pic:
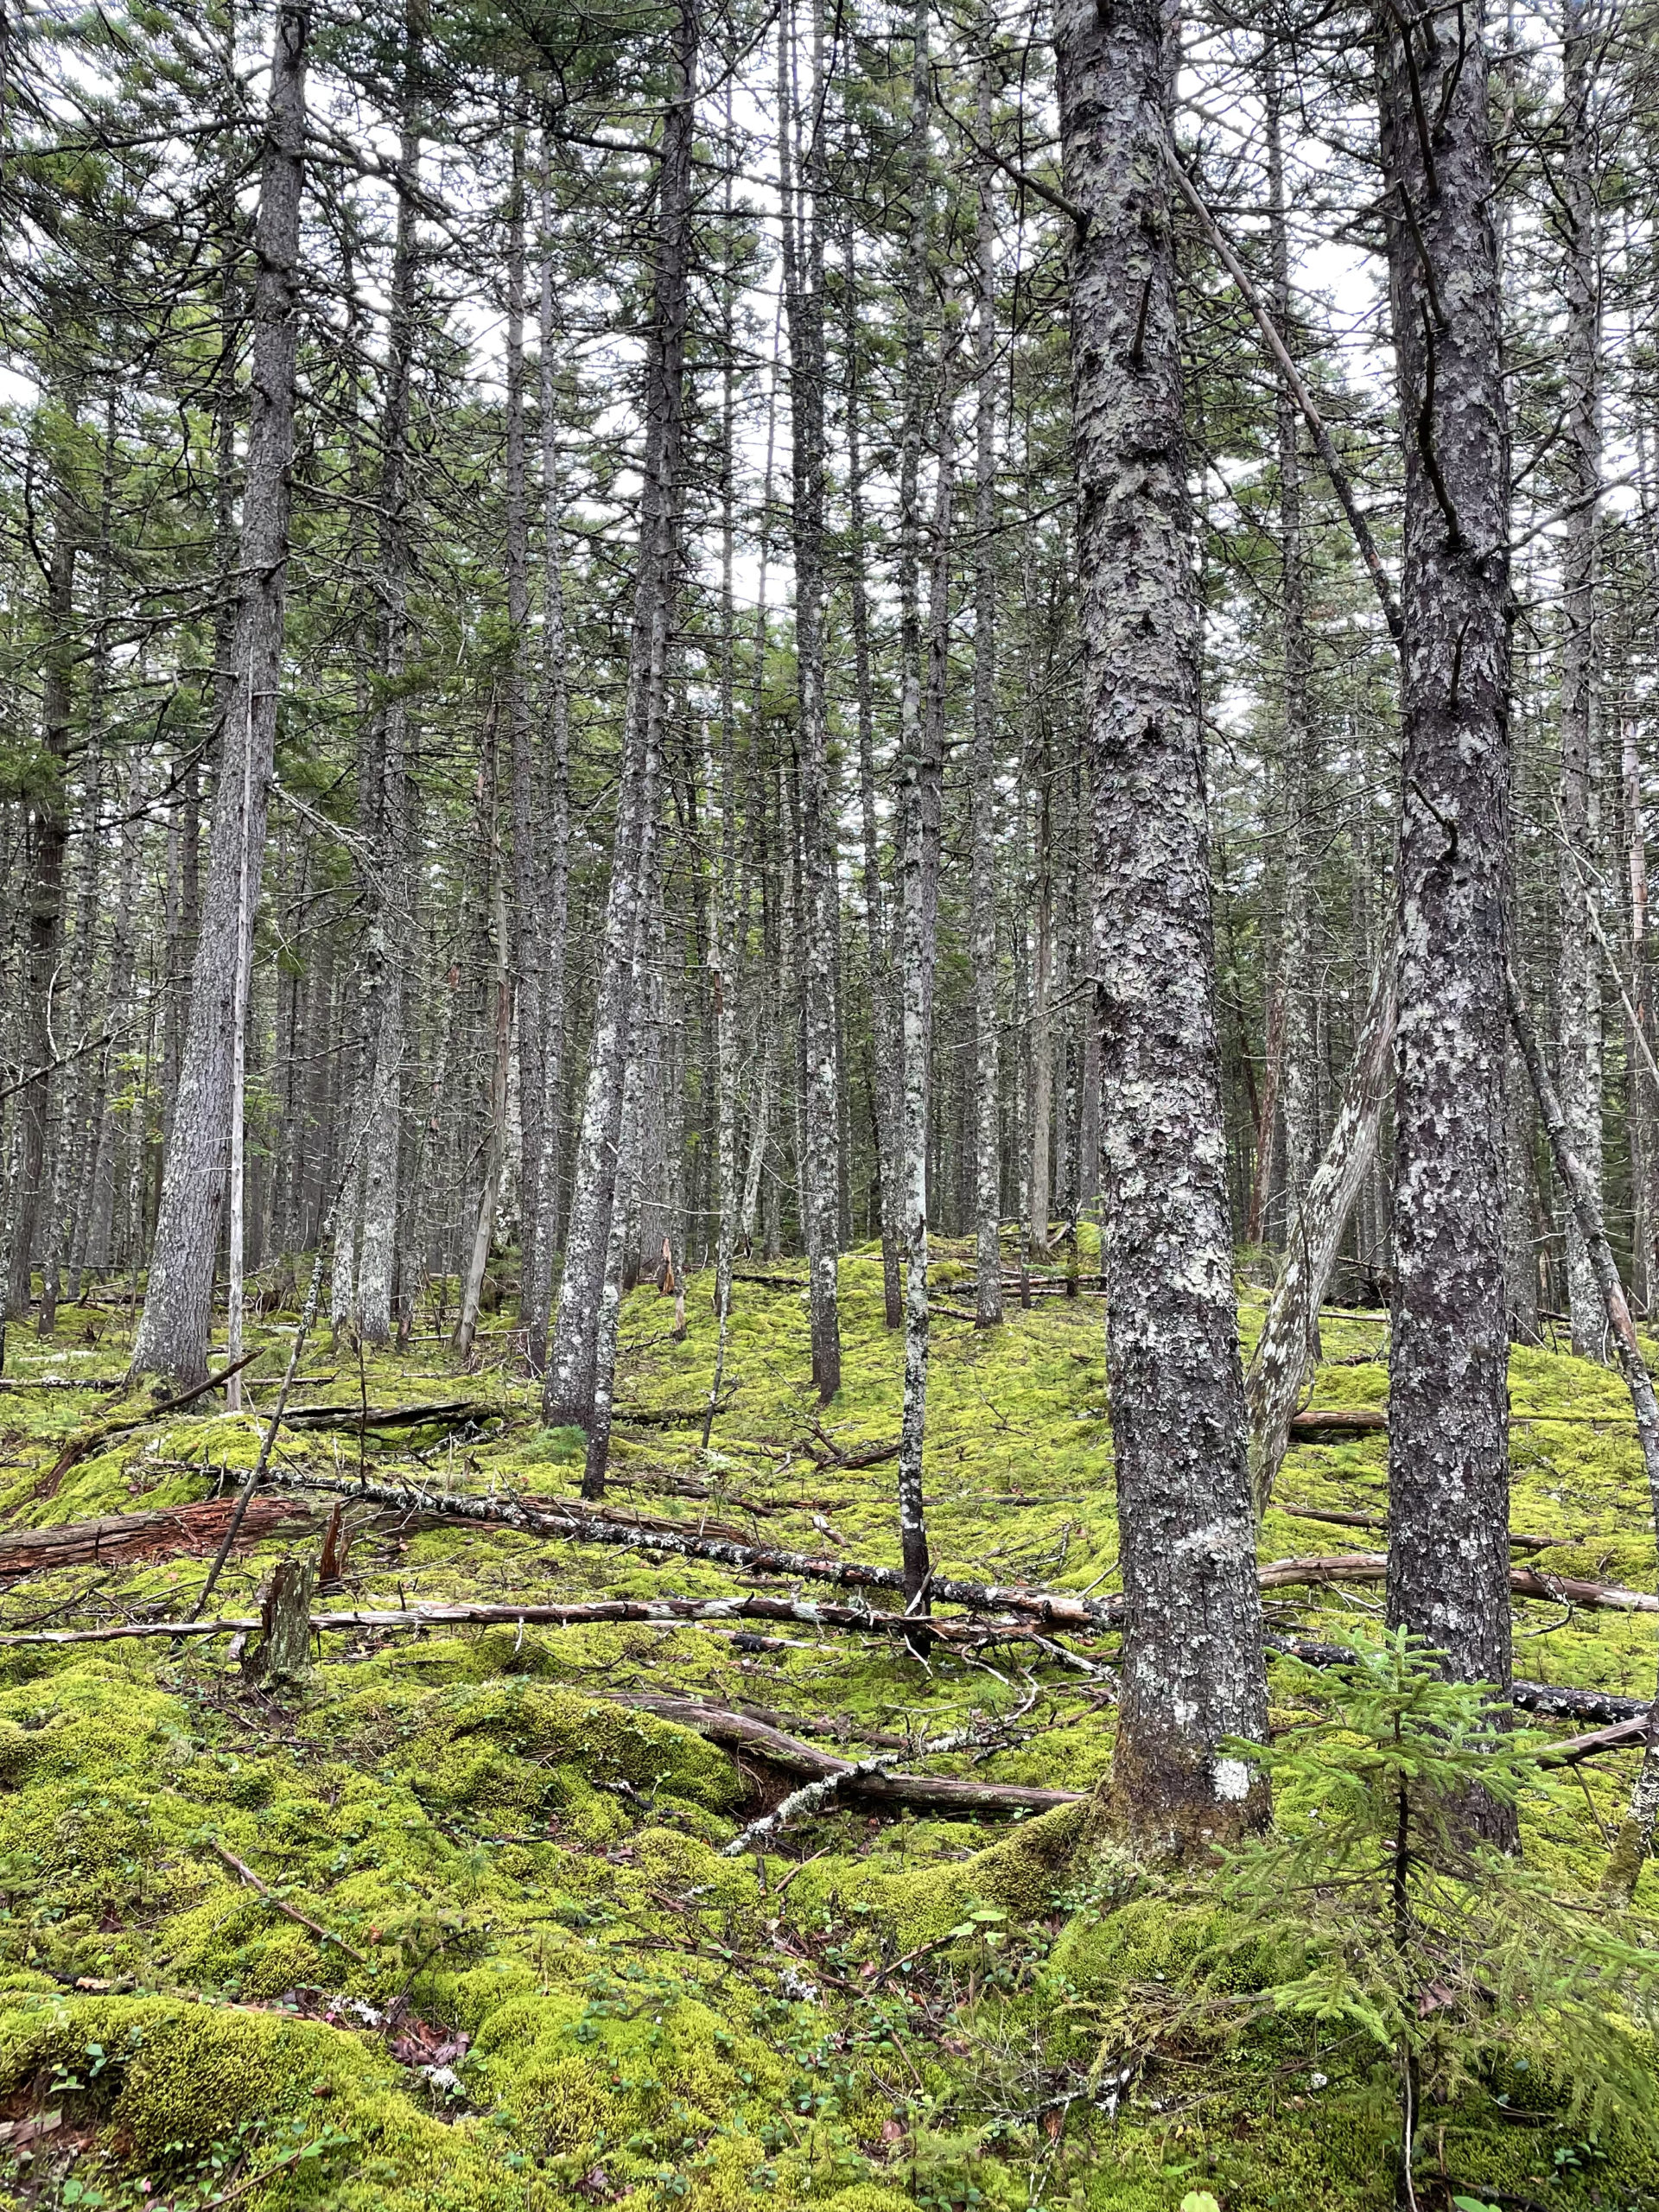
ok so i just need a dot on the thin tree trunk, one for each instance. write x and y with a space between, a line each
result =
49 825
803 258
495 1135
555 712
1580 1054
173 1334
390 949
529 891
1448 1439
877 938
987 1163
568 1395
1192 1671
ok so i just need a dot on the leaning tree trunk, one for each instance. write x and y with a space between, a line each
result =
173 1333
1192 1670
988 1160
1581 1055
803 302
1286 1352
568 1393
1448 1433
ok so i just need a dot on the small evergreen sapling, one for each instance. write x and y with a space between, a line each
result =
1426 1969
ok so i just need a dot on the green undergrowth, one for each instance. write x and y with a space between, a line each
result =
488 1951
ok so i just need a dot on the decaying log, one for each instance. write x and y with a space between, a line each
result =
1320 1424
1524 1581
1335 1518
179 1530
448 1412
797 1611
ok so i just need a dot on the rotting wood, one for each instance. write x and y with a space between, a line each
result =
117 1537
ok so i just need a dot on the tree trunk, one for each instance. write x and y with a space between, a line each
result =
803 255
1579 1052
1192 1671
988 1160
568 1395
495 1137
537 1297
1297 988
173 1333
50 825
1448 1442
877 942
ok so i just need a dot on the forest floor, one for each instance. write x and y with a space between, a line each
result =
449 1925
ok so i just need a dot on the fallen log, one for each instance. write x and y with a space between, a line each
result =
1316 1424
944 1794
1334 1518
1549 1700
119 1537
564 1519
1524 1581
758 1606
447 1412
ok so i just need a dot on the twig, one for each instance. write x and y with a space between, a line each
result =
240 1867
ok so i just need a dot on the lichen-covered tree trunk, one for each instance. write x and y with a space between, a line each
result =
1448 1439
537 1295
1579 1056
388 927
1192 1671
568 1393
172 1335
877 944
803 258
988 1158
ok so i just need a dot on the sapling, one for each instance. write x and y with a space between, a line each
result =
1429 1968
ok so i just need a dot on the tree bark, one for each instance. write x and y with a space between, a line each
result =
173 1333
49 827
988 1157
1192 1656
1579 1056
803 260
555 712
1448 1459
568 1391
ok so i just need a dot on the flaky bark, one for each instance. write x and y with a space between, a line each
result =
1192 1663
173 1333
1448 1457
537 1299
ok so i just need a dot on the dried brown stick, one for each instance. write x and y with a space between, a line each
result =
240 1867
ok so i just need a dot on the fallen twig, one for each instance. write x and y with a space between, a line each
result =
246 1873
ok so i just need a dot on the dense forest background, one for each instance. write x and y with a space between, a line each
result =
876 384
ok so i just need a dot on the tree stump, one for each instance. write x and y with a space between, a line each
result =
282 1657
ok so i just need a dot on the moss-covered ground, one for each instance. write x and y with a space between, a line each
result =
539 1983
